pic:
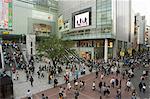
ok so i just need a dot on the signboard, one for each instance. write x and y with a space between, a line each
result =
82 20
6 32
5 14
122 53
42 15
41 28
60 23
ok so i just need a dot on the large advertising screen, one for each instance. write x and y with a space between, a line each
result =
82 20
5 14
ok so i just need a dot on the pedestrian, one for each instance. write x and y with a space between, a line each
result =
120 83
31 80
68 86
42 74
38 72
100 97
43 96
140 86
64 93
100 85
117 72
29 95
112 82
123 75
93 86
133 95
118 95
27 76
128 85
102 76
117 82
49 79
55 82
76 85
17 75
76 94
67 78
96 73
144 87
60 92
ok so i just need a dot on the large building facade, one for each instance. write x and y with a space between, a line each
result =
99 28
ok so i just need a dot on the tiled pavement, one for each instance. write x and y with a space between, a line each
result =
42 86
86 93
21 86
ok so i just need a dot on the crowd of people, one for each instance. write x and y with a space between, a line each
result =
74 69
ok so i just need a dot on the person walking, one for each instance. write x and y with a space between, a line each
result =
96 73
17 75
144 87
112 82
140 86
117 82
38 72
60 92
76 94
55 82
64 93
93 86
100 85
128 84
68 86
118 95
133 95
27 76
49 79
31 80
29 94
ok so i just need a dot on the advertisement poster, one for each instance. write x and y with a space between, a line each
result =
5 14
60 23
82 20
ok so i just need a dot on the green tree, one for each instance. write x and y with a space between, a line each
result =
53 48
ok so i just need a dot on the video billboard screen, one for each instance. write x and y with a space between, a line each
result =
82 20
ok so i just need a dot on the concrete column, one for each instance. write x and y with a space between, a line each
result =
115 48
123 48
106 50
30 38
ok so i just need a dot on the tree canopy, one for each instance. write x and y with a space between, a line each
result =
53 48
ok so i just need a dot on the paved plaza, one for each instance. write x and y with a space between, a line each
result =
41 86
21 86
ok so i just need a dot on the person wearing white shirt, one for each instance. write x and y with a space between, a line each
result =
29 95
93 86
128 84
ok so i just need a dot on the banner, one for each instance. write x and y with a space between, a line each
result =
5 14
60 23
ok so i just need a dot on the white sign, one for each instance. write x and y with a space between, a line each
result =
42 15
82 20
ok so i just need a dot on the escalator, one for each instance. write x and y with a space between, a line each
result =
9 60
20 60
76 57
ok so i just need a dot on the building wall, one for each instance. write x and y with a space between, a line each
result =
21 12
141 22
122 16
24 12
66 8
